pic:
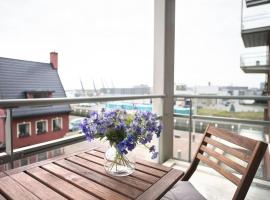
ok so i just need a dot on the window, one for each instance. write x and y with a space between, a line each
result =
24 129
56 124
41 126
38 94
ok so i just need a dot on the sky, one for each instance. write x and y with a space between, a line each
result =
110 42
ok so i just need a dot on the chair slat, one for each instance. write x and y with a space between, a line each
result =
222 171
227 149
252 167
233 138
223 159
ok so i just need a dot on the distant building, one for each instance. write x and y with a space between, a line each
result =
256 33
79 93
207 90
20 79
137 90
234 90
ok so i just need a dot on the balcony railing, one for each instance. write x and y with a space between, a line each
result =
256 17
12 154
189 126
256 59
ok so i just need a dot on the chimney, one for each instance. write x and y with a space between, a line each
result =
54 60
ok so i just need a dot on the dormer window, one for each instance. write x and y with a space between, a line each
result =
38 94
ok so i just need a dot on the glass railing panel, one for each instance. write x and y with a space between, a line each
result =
256 17
48 155
30 131
236 116
231 115
254 59
230 108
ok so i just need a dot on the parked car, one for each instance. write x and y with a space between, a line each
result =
74 124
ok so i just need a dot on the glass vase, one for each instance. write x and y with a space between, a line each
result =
118 164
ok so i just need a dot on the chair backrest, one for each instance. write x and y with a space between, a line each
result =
245 156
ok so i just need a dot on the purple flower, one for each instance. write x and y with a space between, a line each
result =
143 140
122 147
152 149
93 115
149 137
154 155
158 130
123 130
130 142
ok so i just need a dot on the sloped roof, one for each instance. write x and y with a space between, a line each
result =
19 76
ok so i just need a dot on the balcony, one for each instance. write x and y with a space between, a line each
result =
181 134
256 26
255 62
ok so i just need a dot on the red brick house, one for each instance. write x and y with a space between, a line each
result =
20 79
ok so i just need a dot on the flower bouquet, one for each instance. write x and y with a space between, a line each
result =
123 131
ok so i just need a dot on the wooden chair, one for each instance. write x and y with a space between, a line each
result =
217 143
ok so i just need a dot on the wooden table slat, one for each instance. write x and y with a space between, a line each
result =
149 170
14 190
84 183
102 179
132 181
153 165
40 190
64 188
40 163
161 187
140 161
81 175
140 167
138 174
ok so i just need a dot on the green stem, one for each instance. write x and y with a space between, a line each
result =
120 159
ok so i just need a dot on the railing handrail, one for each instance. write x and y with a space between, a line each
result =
14 103
194 96
225 119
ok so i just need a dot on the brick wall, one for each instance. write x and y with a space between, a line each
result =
35 138
2 125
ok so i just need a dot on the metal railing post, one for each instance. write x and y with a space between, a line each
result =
190 130
9 136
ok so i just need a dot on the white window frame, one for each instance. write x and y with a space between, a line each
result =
23 123
56 118
42 120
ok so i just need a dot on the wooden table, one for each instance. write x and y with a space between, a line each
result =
82 176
